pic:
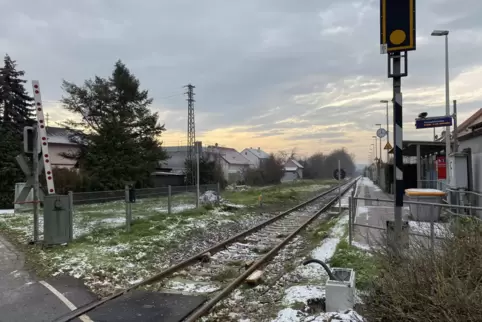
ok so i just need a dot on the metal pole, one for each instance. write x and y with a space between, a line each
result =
350 225
380 148
35 184
71 206
128 222
339 187
398 140
169 201
447 102
388 133
456 143
197 174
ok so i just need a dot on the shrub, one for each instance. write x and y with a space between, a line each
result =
425 285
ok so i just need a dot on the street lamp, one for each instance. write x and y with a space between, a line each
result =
388 134
439 33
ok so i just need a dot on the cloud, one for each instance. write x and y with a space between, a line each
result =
277 74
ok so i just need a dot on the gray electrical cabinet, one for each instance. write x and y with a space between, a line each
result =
57 220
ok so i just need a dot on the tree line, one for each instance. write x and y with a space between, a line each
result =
321 166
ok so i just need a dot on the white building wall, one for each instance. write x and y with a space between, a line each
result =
253 160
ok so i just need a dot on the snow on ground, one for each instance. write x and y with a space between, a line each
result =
7 211
302 293
316 275
420 227
324 252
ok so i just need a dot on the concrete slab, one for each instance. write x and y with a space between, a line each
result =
147 306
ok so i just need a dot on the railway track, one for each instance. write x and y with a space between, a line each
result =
208 271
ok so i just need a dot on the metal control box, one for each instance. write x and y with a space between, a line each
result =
458 171
340 293
57 220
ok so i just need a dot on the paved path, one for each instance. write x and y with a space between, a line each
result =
24 298
372 213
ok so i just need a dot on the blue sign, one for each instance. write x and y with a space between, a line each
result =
436 121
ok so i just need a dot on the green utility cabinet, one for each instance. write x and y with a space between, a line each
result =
57 220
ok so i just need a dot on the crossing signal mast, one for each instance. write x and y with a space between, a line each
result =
35 143
42 135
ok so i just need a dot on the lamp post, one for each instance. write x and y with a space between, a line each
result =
439 33
388 132
376 155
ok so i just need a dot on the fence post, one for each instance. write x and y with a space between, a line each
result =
71 214
128 209
350 225
169 201
218 192
432 229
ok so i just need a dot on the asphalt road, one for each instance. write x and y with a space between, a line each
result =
23 298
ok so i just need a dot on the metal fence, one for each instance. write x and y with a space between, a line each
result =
106 209
455 197
430 230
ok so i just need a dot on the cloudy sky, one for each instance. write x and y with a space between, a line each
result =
275 74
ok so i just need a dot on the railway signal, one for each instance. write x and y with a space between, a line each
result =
339 174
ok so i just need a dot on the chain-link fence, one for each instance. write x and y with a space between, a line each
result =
94 211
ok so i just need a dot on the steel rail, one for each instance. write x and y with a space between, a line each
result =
191 260
240 279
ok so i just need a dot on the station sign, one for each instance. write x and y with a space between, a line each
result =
397 25
436 121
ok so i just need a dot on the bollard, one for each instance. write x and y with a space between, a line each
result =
169 200
260 200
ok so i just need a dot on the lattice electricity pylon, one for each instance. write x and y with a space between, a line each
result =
191 129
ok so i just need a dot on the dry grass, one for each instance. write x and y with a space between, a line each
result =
444 284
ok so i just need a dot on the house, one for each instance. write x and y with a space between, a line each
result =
233 163
255 156
177 156
59 143
293 171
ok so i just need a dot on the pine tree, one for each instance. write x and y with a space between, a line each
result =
118 134
15 112
15 104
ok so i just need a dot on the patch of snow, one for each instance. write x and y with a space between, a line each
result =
192 287
7 211
302 293
177 208
421 227
350 316
326 250
360 245
368 183
289 315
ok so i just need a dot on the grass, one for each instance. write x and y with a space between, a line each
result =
360 260
280 195
107 257
322 231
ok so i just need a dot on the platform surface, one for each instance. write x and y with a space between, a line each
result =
137 306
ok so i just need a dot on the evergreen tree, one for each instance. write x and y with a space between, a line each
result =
15 104
118 134
15 112
210 172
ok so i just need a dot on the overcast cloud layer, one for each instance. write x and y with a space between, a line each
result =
278 74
